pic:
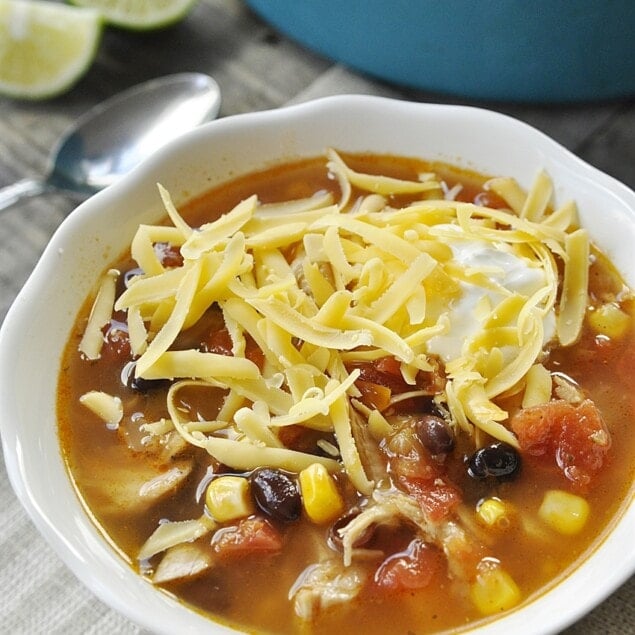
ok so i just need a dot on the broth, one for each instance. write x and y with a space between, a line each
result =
249 588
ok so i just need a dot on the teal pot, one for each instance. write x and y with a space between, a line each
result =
508 50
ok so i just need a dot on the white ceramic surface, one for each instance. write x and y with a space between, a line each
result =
37 326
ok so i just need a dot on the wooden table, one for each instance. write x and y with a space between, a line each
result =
257 69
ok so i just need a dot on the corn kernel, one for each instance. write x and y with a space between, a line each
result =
321 499
228 498
564 512
609 320
494 590
494 513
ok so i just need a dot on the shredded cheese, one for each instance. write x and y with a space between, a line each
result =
317 285
93 339
539 386
536 204
107 407
195 364
574 287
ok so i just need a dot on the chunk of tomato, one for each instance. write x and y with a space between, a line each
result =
219 341
249 536
388 366
411 569
437 497
374 395
574 436
407 457
385 371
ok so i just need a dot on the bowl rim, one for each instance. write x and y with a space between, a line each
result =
95 548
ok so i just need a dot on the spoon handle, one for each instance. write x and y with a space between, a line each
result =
11 194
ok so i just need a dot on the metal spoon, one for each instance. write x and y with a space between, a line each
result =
114 136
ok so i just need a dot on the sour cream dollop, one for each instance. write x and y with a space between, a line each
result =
510 272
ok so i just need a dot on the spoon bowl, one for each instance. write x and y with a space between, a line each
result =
116 135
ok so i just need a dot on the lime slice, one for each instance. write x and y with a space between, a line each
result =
45 47
140 15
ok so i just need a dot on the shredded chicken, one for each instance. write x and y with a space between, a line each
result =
182 561
165 482
125 491
567 389
323 585
462 550
388 509
372 459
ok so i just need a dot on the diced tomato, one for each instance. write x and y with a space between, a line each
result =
437 497
388 366
407 457
574 436
432 382
385 371
220 342
253 353
250 536
414 468
411 569
416 471
374 395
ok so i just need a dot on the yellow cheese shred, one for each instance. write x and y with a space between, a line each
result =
340 414
172 327
173 213
218 232
309 331
92 339
381 184
195 364
538 199
573 300
539 386
152 289
255 423
107 407
509 190
137 331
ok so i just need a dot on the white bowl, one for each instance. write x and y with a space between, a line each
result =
38 324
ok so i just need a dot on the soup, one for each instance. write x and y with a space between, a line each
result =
354 393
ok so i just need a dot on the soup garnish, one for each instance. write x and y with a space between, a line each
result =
366 394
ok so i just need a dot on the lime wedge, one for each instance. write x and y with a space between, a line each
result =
140 15
45 47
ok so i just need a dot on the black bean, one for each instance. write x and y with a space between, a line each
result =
434 408
138 384
499 460
434 433
277 494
